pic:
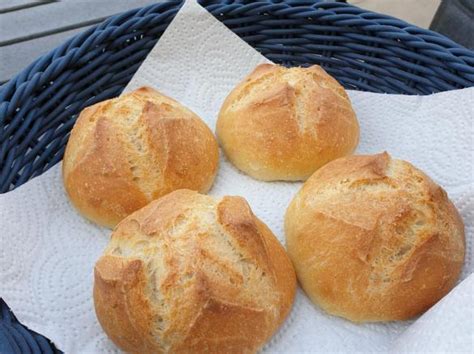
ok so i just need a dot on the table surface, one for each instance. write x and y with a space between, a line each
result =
31 28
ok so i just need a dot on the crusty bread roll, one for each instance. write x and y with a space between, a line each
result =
191 274
374 239
283 124
125 152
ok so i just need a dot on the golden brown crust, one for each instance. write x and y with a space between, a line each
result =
188 273
283 124
127 151
374 239
118 285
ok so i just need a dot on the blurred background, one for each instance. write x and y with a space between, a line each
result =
417 12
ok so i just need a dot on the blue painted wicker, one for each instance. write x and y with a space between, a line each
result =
16 338
363 50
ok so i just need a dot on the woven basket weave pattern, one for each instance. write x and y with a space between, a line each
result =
363 50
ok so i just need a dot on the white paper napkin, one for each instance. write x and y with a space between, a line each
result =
47 251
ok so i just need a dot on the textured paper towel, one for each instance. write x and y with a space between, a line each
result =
47 251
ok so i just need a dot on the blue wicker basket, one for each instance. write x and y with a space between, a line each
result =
363 50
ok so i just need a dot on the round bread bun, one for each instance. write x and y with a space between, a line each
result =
374 239
285 123
125 152
192 274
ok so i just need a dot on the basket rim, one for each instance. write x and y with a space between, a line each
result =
392 24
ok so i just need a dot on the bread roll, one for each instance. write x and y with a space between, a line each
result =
191 274
374 239
125 152
283 124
